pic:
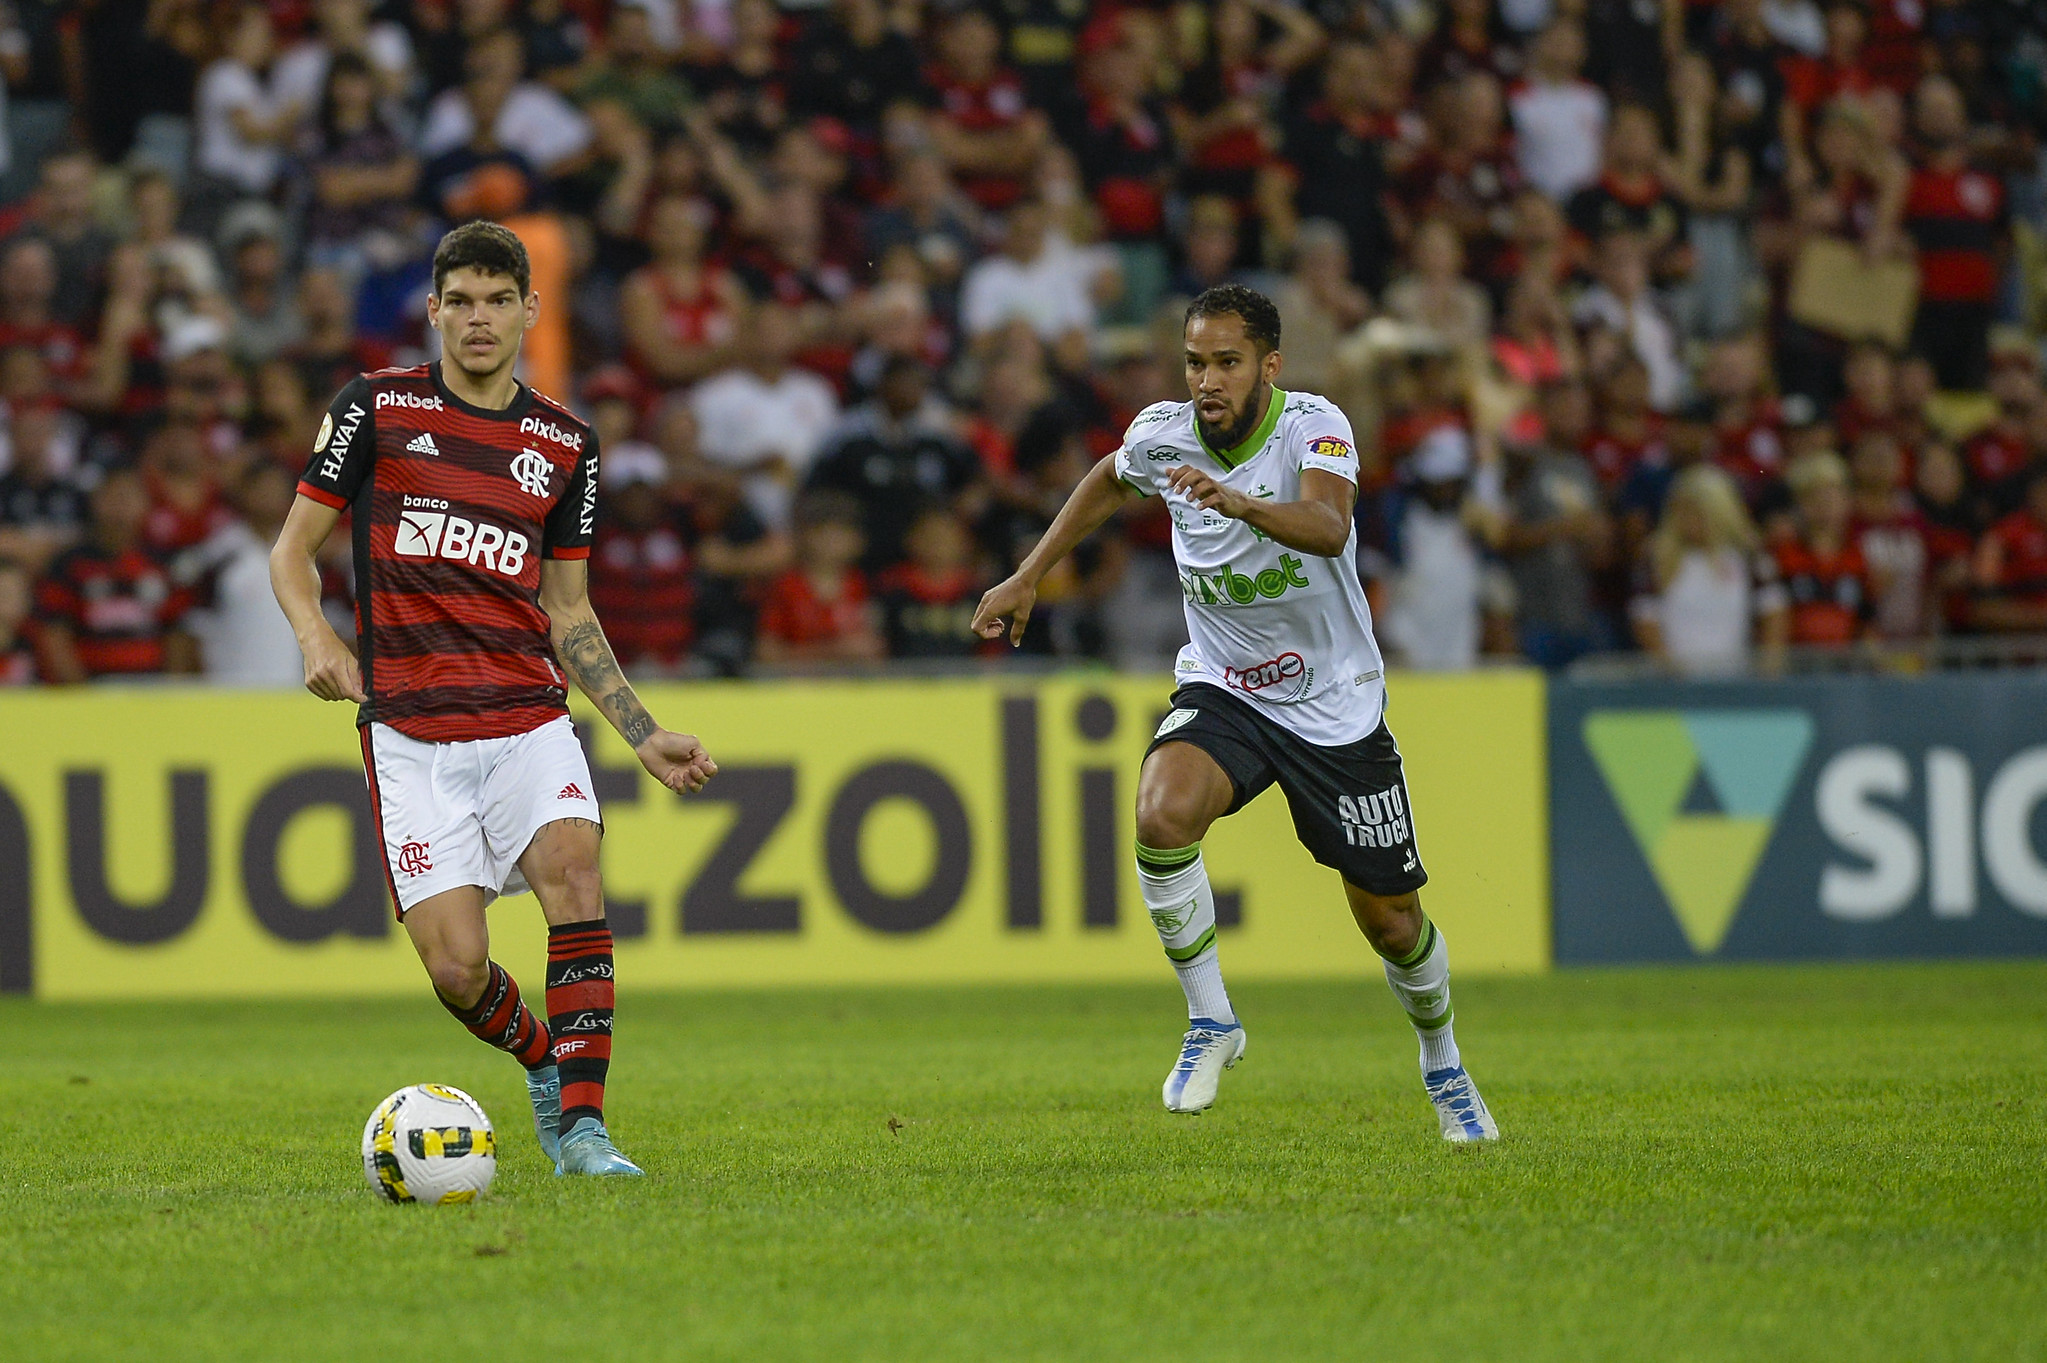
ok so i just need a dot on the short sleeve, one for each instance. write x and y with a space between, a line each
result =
344 449
1132 471
572 525
1326 442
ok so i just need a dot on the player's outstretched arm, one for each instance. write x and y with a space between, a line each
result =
1096 499
1318 524
677 761
331 670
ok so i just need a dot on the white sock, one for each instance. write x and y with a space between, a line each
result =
1182 908
1423 988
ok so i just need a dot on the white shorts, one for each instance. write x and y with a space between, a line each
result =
455 814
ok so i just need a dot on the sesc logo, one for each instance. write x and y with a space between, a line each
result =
436 534
1884 864
1701 791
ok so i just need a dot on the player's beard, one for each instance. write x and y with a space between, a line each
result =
1230 436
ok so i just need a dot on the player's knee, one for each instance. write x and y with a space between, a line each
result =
456 978
1391 923
1167 818
582 894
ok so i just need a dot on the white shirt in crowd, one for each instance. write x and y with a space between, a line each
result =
1559 131
1432 621
228 86
1051 292
535 122
300 76
1649 328
244 639
743 418
1707 613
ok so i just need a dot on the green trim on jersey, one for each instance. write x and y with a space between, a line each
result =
1231 458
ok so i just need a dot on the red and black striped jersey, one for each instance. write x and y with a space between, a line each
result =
453 507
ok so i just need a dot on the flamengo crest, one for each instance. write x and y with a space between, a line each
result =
532 469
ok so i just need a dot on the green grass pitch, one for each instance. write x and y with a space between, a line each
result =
1719 1163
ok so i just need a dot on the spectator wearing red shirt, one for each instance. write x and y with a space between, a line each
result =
1825 577
1998 455
1940 490
17 598
28 290
1812 82
1889 530
1748 425
928 600
1629 432
185 502
1226 103
642 573
819 611
1631 195
1956 215
681 312
109 607
1871 404
980 119
2011 566
1468 174
1123 141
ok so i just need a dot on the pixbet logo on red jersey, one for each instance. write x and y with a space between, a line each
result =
389 398
547 430
426 530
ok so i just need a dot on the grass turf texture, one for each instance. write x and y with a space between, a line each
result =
1717 1163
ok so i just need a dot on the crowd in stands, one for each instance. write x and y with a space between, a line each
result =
1701 329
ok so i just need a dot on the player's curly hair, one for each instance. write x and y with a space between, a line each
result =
1259 314
483 246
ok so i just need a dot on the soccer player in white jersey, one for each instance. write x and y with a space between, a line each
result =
1280 682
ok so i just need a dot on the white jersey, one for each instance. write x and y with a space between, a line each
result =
1287 631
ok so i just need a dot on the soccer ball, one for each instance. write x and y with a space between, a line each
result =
429 1143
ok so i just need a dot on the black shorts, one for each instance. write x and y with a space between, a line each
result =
1350 803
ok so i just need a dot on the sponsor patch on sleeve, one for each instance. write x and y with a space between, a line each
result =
326 433
1329 447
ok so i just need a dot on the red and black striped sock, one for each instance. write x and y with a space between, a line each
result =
579 1000
502 1018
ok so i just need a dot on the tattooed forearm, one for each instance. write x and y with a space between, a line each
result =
587 657
631 717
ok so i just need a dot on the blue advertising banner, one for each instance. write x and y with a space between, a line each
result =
1813 818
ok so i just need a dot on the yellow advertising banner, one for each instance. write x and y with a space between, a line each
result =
166 842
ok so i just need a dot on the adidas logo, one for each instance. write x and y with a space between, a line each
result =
572 791
424 444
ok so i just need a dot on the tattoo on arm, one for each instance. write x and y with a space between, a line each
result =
587 657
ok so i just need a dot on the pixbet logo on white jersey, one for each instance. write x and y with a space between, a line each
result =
426 530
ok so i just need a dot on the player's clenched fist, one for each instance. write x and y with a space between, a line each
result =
331 670
1206 493
677 761
1011 600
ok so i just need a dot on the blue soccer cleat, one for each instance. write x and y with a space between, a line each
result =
1209 1048
544 1089
587 1149
1459 1109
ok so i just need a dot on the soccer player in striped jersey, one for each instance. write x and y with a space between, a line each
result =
473 501
1280 683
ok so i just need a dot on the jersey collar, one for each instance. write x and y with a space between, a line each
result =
522 398
1237 455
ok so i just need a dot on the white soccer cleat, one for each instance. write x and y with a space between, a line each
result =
1209 1048
1459 1109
